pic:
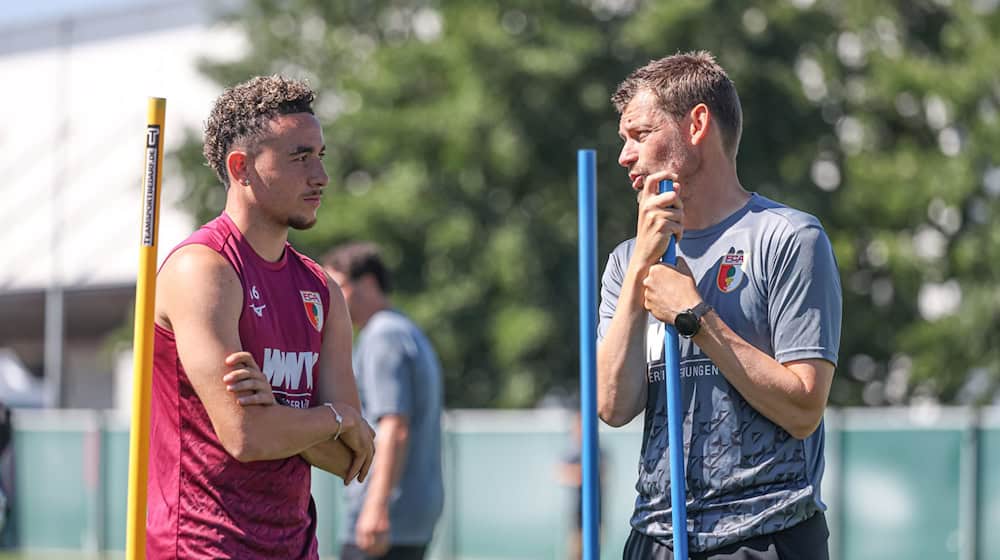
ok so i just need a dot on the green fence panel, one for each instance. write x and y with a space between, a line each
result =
56 480
507 501
900 494
619 471
115 443
894 488
988 527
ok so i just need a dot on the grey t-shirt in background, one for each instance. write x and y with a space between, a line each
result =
770 273
398 373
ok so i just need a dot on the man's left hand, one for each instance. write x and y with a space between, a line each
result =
372 530
669 290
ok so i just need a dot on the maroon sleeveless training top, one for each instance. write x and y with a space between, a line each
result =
203 503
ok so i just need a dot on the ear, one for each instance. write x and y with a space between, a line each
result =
701 121
236 167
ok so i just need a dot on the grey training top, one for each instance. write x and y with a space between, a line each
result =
398 373
770 273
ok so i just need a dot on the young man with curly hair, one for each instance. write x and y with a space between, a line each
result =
252 378
756 297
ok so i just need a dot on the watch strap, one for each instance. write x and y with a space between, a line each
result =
700 310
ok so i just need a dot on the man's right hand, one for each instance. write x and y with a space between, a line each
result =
246 381
660 217
356 434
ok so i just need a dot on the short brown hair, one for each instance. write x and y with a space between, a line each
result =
684 80
356 259
241 114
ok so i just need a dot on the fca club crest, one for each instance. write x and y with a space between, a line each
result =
730 271
314 309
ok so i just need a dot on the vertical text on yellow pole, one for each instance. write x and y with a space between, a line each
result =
145 293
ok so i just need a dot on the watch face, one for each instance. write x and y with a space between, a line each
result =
686 324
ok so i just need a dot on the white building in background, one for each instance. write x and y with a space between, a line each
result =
72 123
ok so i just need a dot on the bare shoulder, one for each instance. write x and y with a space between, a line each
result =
195 277
338 312
336 294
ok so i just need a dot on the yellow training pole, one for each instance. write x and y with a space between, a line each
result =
142 346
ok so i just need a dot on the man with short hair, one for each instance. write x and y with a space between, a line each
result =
252 379
755 296
393 513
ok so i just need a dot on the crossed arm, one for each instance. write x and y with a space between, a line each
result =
793 395
199 298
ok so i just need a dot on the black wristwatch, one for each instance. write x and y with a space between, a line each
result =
688 322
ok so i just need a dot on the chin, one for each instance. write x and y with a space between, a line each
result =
301 223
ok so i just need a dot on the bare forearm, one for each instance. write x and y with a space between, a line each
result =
331 455
277 432
796 403
390 458
621 385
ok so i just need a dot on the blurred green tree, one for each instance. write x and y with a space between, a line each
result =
452 128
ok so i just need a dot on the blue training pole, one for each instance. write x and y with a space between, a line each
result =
672 374
586 169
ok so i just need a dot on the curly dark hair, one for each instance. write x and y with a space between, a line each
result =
240 115
684 80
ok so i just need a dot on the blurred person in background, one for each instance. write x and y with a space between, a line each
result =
570 474
252 379
756 298
392 514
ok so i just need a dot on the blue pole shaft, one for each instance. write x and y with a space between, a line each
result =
675 441
586 165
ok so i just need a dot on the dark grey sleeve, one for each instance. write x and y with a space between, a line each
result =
387 375
611 287
804 307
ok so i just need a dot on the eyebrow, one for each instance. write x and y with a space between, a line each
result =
305 150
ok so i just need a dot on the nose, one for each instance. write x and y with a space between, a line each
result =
318 177
629 155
